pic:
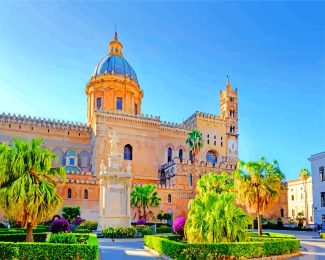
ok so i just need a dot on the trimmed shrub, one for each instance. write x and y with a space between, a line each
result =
8 252
27 251
81 230
179 250
144 230
63 238
121 232
178 226
21 237
90 225
164 229
60 225
70 213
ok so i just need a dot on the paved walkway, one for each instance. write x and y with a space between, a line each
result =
313 247
123 249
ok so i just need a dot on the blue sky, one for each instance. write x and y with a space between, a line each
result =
274 53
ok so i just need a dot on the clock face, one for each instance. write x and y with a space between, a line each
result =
232 144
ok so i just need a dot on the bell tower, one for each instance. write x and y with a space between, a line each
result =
229 107
229 113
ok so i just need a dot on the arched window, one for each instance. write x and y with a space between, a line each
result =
191 156
169 154
69 193
190 179
84 159
180 155
86 194
59 159
128 152
169 198
211 157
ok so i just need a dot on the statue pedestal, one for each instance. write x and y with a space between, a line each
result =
115 184
114 200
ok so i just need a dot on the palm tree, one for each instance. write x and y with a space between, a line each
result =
214 182
304 175
195 142
214 218
27 183
143 197
258 185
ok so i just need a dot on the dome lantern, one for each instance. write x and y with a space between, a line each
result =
115 46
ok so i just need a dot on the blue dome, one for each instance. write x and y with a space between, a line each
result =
114 64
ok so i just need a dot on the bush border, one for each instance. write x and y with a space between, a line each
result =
263 248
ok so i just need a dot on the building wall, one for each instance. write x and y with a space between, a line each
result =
296 198
317 161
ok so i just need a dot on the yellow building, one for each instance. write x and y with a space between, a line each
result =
156 149
296 198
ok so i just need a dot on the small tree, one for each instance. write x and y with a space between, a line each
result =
70 213
305 175
195 142
28 183
258 185
143 197
213 216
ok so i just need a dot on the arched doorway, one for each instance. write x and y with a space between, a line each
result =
170 221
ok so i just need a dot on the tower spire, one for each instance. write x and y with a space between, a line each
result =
115 34
228 83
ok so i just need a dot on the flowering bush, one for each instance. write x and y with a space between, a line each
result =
141 222
178 226
78 221
60 225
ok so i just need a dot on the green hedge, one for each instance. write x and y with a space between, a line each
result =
120 232
21 237
38 251
8 252
164 229
23 230
180 250
81 230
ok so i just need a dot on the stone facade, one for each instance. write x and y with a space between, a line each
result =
154 149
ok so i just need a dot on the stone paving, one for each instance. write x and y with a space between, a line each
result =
123 249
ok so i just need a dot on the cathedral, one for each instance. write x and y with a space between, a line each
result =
154 149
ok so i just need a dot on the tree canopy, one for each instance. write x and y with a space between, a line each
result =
27 182
143 197
195 142
258 185
213 216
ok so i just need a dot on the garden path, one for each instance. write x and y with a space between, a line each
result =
123 249
312 246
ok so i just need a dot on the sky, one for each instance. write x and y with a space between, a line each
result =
273 52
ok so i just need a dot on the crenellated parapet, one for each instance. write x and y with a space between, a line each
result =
43 122
190 122
143 118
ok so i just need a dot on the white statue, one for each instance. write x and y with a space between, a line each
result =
128 168
114 141
102 167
